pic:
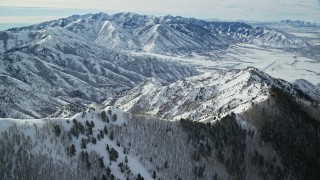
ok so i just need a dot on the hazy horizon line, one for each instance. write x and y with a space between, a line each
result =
27 20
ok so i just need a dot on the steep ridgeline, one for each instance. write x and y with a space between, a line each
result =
209 96
163 35
41 70
274 139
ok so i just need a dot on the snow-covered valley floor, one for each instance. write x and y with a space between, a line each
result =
276 62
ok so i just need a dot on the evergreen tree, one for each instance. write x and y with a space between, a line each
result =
92 124
94 140
140 177
103 116
104 177
75 122
72 150
88 124
84 114
81 128
154 175
114 117
83 143
74 131
105 130
82 156
166 165
108 171
111 135
215 177
101 163
113 154
57 130
101 134
88 164
89 130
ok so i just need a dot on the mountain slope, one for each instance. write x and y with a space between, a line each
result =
260 143
60 66
209 96
72 148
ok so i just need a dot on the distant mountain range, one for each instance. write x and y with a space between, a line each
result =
168 34
298 23
83 58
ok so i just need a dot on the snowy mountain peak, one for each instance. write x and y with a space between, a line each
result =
152 81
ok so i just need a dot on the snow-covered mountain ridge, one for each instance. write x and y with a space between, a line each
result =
163 35
86 135
209 96
109 143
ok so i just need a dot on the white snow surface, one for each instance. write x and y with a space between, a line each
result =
279 63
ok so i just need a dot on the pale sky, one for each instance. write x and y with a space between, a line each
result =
35 11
